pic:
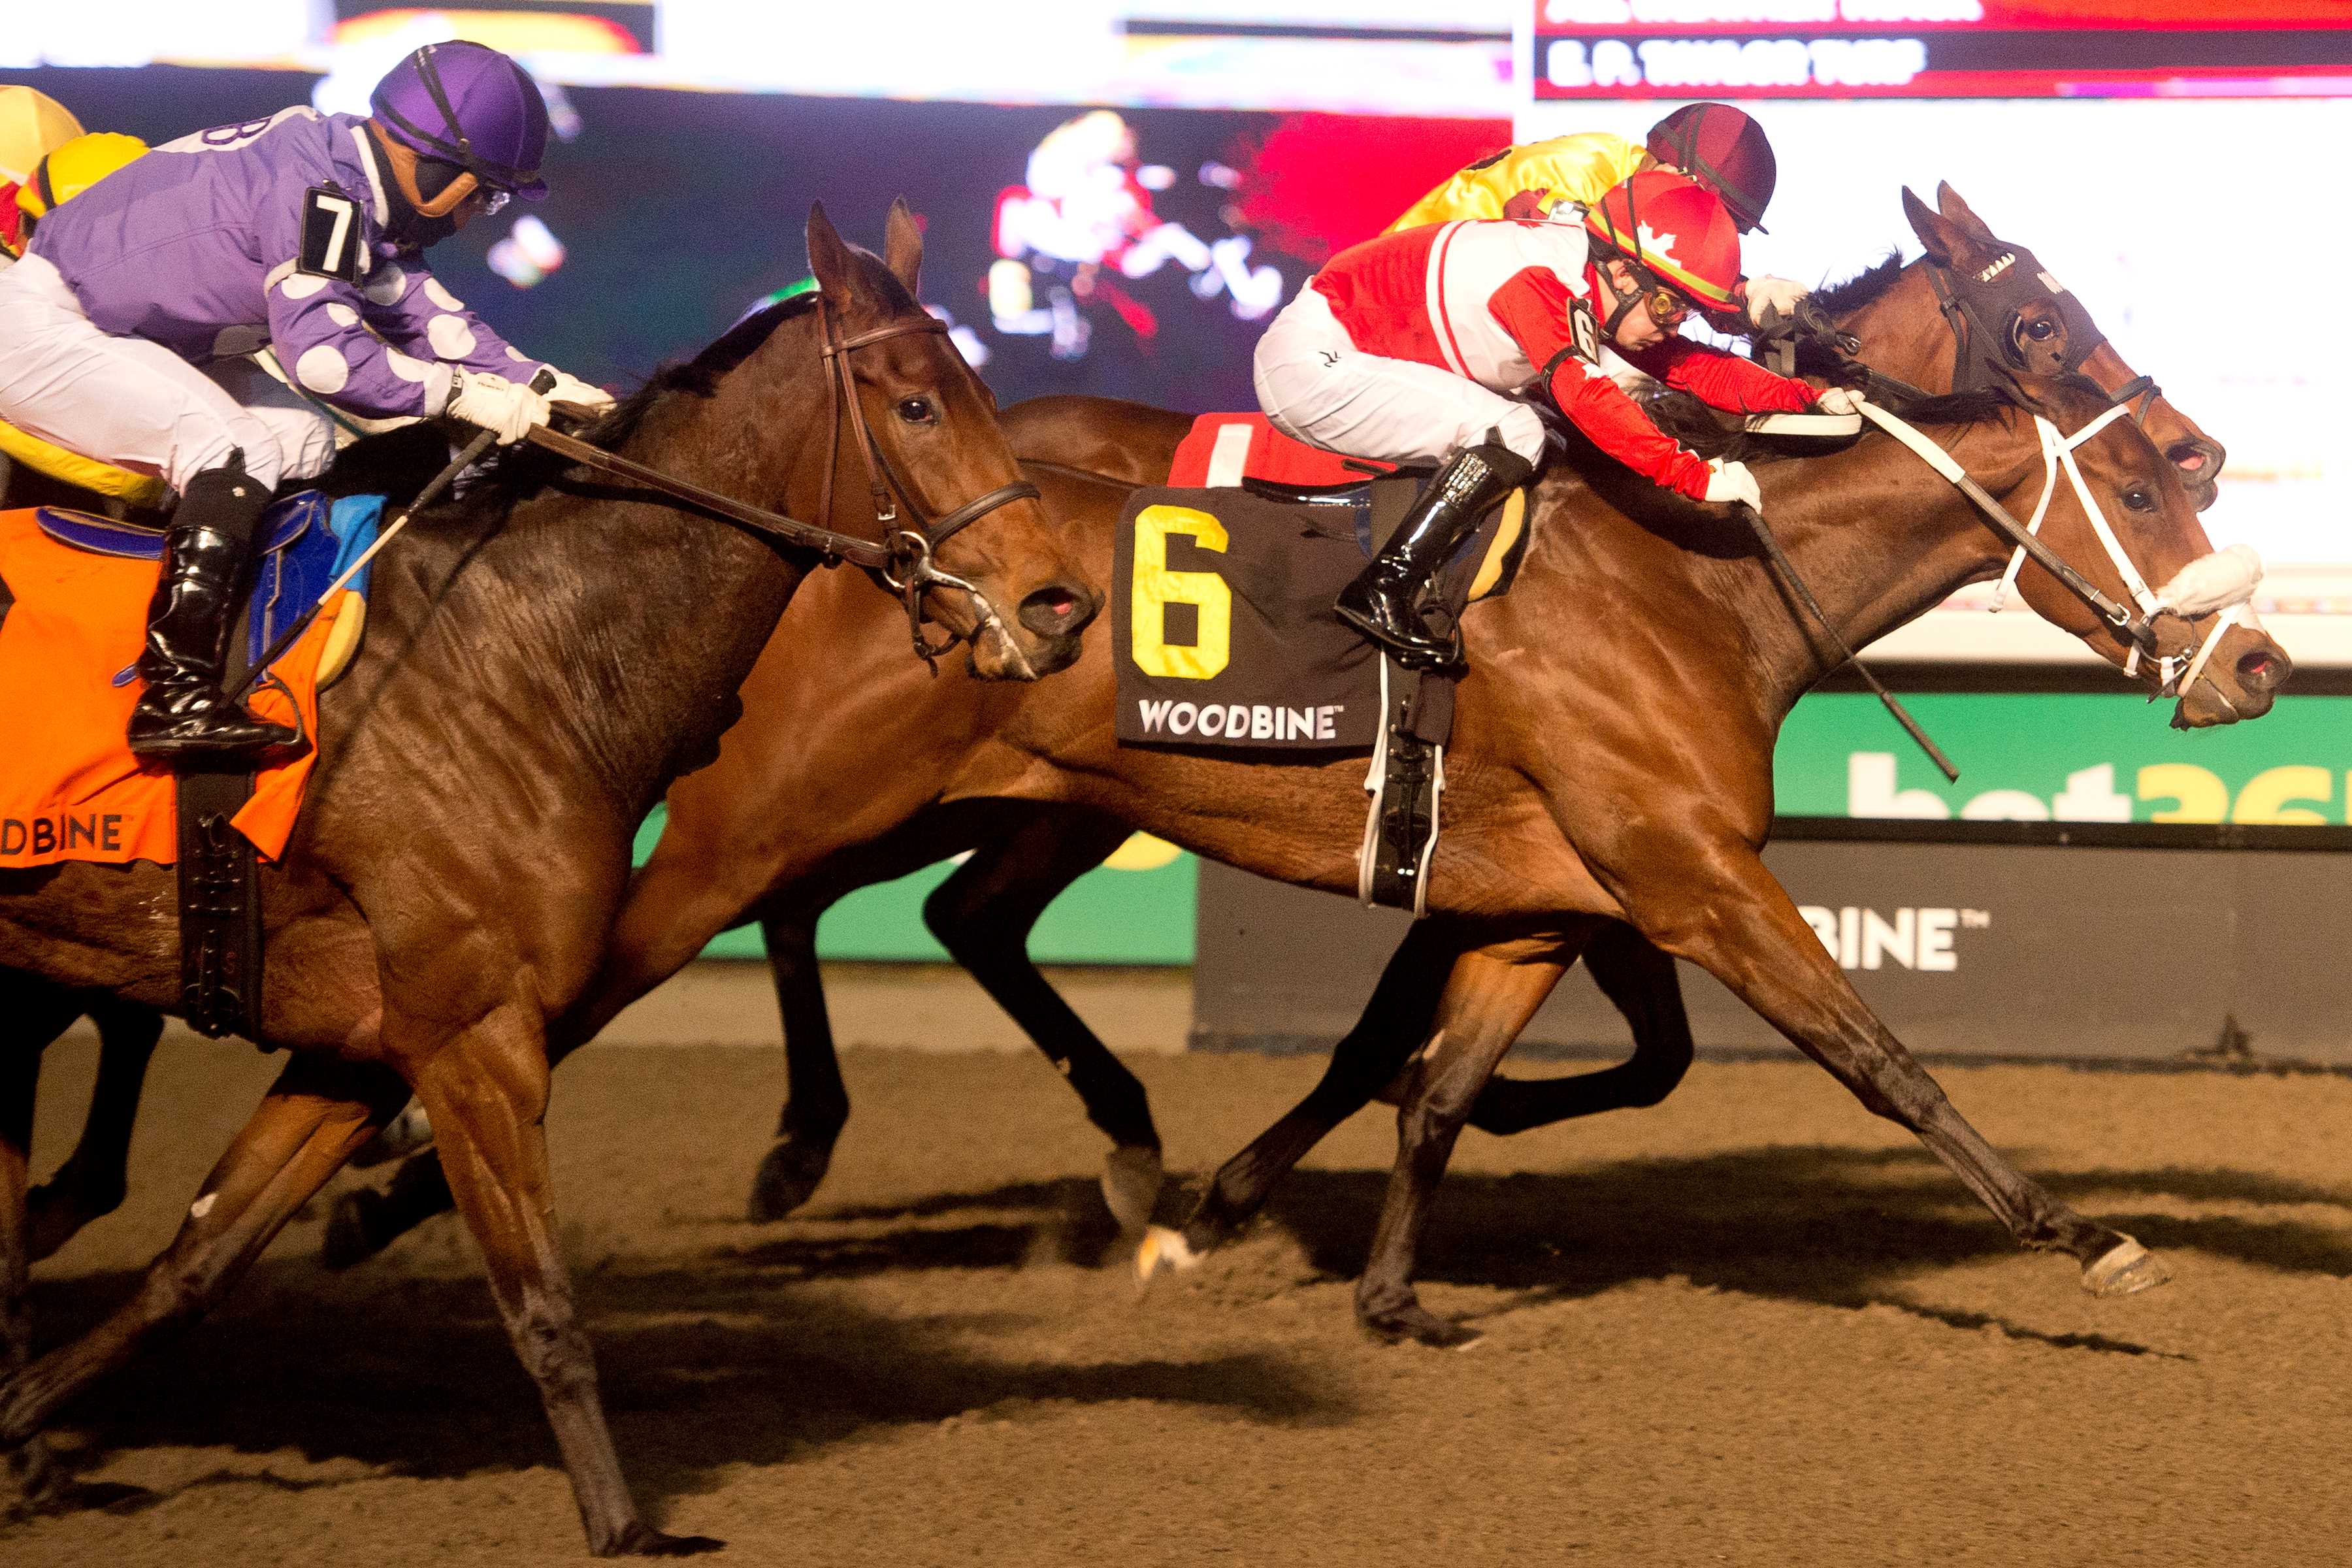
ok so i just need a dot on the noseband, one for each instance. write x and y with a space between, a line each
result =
910 543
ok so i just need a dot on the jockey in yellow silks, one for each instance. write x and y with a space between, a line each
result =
1559 178
46 159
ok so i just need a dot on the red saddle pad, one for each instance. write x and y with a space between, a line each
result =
1223 450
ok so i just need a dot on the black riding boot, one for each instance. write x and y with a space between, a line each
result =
207 555
1384 601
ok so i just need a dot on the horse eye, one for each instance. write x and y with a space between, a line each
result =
2139 501
917 411
2041 332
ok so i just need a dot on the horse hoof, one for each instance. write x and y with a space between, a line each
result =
1164 1251
1131 1186
1394 1325
787 1178
643 1541
2124 1269
354 1235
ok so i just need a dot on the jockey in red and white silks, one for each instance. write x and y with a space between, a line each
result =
1424 346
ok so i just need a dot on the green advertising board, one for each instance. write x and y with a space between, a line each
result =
1137 907
2087 758
2096 758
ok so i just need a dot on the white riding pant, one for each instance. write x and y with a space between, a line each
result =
136 404
1316 385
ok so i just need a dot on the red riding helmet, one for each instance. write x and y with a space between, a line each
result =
1674 228
1722 150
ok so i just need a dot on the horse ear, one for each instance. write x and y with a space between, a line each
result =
902 245
1949 203
1942 239
829 260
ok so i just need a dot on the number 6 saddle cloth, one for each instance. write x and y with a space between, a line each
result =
1222 588
74 589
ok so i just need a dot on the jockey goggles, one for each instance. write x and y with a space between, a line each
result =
1668 308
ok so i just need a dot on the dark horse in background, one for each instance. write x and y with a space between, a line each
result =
1613 807
545 657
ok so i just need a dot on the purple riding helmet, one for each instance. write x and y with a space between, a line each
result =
457 118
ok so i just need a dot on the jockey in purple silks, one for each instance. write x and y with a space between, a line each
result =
125 331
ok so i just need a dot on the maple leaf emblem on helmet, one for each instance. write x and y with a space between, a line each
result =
1653 243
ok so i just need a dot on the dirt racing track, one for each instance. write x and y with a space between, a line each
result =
1752 1326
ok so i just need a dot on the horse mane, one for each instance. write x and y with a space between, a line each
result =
1840 298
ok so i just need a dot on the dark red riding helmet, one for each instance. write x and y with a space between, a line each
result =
1722 150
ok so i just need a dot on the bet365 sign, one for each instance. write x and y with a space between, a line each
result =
2067 759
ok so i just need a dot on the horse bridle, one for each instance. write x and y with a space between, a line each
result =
901 559
1983 356
909 572
1980 363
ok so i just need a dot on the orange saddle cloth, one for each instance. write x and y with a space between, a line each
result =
71 623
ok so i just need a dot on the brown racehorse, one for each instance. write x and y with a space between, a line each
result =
1630 785
720 862
545 658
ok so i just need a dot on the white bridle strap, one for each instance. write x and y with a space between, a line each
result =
2229 590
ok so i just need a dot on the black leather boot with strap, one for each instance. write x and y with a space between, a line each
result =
207 556
1384 602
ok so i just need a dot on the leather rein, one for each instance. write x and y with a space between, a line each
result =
901 558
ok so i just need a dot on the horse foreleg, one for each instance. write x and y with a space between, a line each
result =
1488 999
92 1181
982 914
1641 982
1395 1022
1741 926
317 1113
677 903
485 1090
816 1102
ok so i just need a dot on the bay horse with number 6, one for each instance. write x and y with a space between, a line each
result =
1628 786
543 658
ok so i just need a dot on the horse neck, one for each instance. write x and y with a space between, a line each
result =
617 630
1878 537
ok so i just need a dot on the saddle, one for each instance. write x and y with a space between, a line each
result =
1222 592
71 626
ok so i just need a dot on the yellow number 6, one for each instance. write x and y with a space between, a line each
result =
1156 587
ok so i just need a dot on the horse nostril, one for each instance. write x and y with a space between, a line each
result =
1056 610
2258 671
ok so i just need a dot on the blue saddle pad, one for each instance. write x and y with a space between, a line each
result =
309 540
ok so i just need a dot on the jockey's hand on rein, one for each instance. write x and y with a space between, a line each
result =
1731 482
592 402
508 410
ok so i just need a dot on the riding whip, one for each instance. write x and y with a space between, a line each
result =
1788 572
472 453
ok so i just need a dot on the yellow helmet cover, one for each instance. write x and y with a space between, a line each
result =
31 124
73 168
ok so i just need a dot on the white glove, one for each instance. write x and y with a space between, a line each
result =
1837 400
506 407
1732 482
580 395
1772 293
